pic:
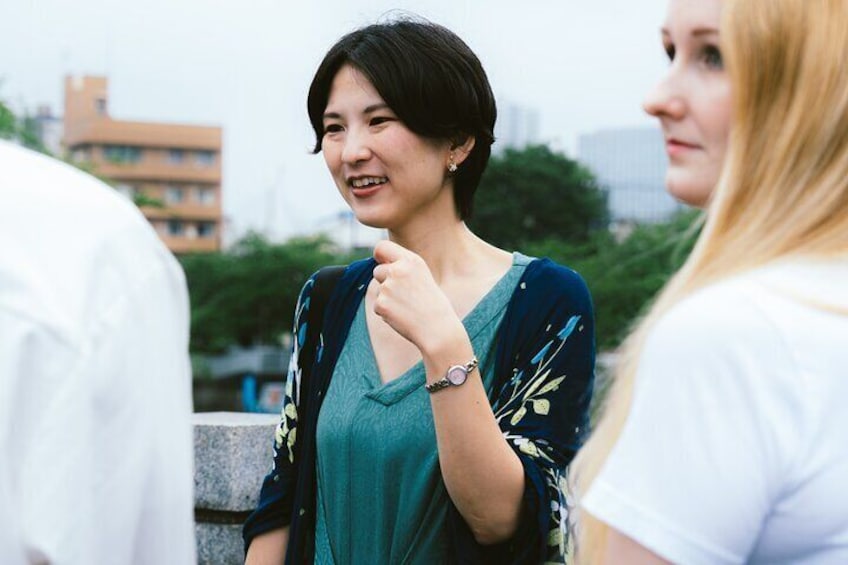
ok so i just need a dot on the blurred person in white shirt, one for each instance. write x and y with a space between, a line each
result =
95 383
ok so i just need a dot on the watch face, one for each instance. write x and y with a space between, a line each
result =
457 375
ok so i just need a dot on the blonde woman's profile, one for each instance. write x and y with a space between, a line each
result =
723 439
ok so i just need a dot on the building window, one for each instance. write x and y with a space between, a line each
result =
176 156
127 190
122 153
205 158
175 227
173 194
160 227
204 196
100 106
206 229
81 154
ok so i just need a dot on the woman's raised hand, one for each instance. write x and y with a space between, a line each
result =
406 297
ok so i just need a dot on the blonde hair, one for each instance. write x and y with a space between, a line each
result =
783 189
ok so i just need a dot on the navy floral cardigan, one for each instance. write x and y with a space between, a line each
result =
543 386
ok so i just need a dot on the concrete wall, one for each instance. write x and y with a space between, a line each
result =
232 454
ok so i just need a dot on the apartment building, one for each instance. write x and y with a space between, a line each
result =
172 170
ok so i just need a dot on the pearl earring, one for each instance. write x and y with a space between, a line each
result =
452 166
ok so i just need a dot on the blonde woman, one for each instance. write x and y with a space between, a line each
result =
725 437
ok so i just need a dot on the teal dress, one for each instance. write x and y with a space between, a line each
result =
381 498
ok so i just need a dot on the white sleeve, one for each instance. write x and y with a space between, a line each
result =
710 433
33 433
146 486
95 382
11 549
95 430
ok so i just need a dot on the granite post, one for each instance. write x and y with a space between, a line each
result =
232 454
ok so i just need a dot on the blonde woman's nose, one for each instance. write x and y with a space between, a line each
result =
665 100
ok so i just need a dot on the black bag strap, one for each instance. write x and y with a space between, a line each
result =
325 282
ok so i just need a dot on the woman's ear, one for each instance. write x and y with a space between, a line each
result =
462 148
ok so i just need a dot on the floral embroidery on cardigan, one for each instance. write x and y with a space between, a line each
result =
527 392
286 431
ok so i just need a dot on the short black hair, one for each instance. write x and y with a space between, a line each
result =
430 79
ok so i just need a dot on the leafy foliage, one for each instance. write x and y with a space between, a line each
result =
141 199
247 295
625 276
8 122
29 136
23 130
534 194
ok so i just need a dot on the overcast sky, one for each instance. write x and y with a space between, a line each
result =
246 65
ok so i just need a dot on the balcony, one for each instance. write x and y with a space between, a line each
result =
106 131
182 244
197 212
150 169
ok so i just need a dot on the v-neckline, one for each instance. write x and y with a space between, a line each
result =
472 322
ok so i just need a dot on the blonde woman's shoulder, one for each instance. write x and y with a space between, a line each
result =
788 318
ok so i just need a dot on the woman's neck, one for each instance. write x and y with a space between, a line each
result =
450 250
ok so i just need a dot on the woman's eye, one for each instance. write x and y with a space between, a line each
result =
378 120
332 128
712 57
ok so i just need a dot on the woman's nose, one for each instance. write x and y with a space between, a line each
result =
666 99
356 147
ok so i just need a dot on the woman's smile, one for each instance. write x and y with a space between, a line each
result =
365 187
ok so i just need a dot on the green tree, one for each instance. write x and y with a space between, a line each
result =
625 276
533 194
8 122
247 295
29 136
23 130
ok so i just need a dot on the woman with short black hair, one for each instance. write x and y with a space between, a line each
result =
433 416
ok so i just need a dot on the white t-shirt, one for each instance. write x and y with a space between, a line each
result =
736 446
95 383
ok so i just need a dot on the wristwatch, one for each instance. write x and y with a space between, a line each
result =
455 376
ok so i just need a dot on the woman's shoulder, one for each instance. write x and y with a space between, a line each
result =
727 319
766 301
722 306
782 320
555 282
348 274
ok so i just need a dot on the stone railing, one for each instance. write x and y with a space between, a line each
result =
232 454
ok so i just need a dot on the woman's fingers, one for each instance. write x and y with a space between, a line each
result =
381 273
388 252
